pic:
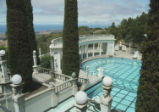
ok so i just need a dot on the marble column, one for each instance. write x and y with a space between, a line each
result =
93 48
40 55
52 63
100 52
87 51
34 58
82 52
35 66
106 48
59 61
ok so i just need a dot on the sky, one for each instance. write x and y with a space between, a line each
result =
95 12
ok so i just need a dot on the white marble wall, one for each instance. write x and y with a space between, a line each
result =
110 48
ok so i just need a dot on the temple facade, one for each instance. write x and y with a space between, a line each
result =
89 46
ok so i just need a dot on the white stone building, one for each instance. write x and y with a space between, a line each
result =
89 46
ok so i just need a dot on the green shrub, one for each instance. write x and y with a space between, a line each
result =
45 62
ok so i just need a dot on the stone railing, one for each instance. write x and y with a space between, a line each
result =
82 80
96 38
58 76
57 43
61 77
64 85
44 70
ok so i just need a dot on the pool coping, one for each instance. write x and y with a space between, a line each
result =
106 56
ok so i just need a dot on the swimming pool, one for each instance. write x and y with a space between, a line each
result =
125 74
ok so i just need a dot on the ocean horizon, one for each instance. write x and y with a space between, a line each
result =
55 27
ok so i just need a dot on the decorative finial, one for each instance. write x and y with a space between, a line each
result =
107 82
81 98
16 79
73 75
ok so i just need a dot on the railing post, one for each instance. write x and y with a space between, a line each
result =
54 98
18 97
75 88
4 80
81 101
3 63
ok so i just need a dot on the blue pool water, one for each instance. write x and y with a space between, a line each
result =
125 74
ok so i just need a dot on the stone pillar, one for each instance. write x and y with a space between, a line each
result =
54 98
34 58
100 52
40 55
75 88
106 48
59 62
52 63
35 66
4 79
18 97
3 63
110 48
84 51
87 52
93 48
81 101
81 52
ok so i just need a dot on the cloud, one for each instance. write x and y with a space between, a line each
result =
107 11
2 11
90 11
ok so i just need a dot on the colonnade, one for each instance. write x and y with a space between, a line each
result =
84 50
88 47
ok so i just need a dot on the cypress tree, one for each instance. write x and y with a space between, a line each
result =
30 27
20 40
70 62
148 90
